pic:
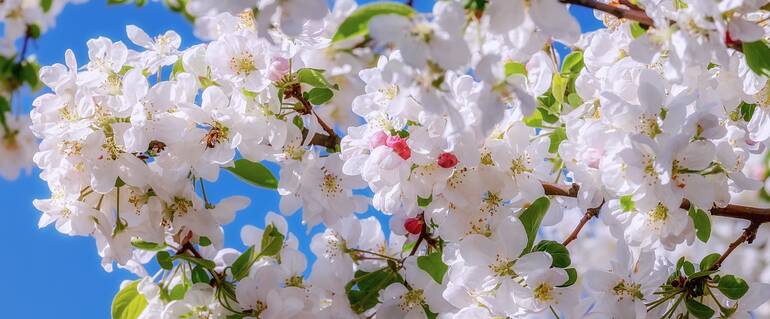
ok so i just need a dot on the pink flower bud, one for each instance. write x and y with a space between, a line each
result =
413 225
447 160
399 146
278 68
378 139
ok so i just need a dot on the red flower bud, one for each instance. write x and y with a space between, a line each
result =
447 160
413 225
730 42
399 146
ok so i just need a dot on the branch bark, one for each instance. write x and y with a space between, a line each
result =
619 12
748 236
590 213
752 214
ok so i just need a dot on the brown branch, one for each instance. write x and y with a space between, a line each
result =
590 213
753 214
326 141
749 233
295 91
635 13
619 12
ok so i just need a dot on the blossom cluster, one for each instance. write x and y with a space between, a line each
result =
23 21
471 133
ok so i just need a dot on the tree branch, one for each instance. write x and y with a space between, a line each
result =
752 214
749 233
590 213
635 13
619 12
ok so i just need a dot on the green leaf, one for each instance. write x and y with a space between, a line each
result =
688 268
5 107
33 31
146 245
364 290
702 273
408 246
318 96
29 72
573 63
572 277
747 111
177 68
164 260
535 119
757 57
357 24
272 241
128 303
242 265
254 173
204 241
199 275
512 68
433 265
314 78
698 309
532 217
557 136
702 223
116 1
558 87
46 5
636 29
177 293
559 253
708 261
205 263
574 99
733 287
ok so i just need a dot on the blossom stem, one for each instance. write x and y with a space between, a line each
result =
671 310
205 197
373 253
749 233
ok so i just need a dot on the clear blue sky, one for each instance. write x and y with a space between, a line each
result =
47 274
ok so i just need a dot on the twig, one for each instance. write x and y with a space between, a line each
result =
749 233
590 213
295 91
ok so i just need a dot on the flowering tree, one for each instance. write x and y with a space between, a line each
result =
489 153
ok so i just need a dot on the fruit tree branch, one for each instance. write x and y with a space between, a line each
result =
752 214
619 12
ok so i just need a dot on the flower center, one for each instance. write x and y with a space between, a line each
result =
543 292
330 183
624 289
659 214
519 166
503 267
243 64
411 299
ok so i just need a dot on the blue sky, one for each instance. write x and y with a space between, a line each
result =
47 274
